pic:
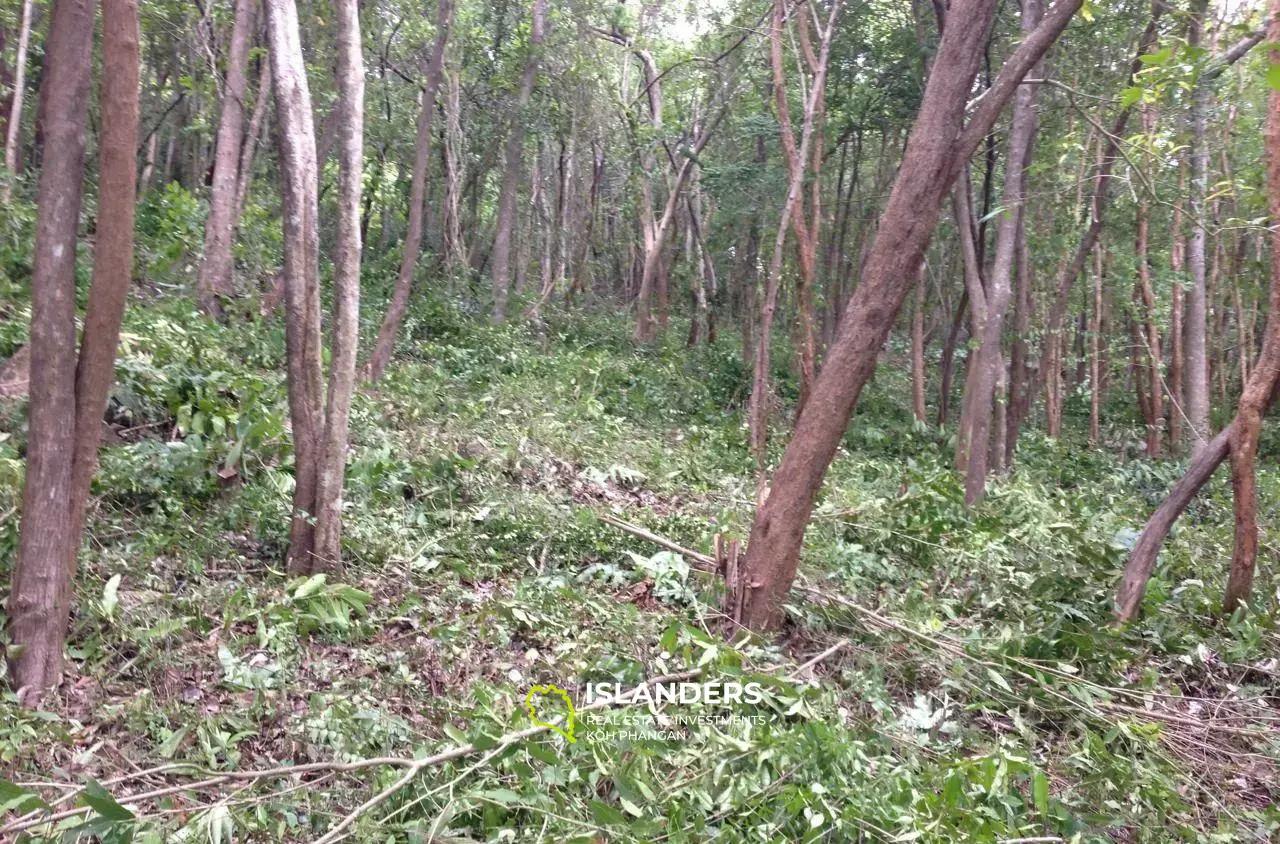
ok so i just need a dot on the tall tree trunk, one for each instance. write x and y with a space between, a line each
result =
214 278
988 360
1196 306
298 189
346 288
13 126
390 327
511 168
455 244
1149 335
1019 388
938 145
1095 350
1177 252
917 351
65 416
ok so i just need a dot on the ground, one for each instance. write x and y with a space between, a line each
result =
979 692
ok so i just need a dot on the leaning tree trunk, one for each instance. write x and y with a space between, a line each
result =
939 144
346 288
65 415
505 224
298 190
214 279
13 126
386 341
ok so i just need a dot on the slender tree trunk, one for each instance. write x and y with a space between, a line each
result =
917 351
1149 335
988 360
214 278
1095 350
390 327
65 415
1196 307
938 145
455 243
511 168
1177 403
250 149
298 189
13 126
346 288
1019 386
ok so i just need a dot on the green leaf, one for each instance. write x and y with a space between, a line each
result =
15 799
1129 96
1273 77
309 587
505 796
97 798
999 680
1040 792
170 746
606 815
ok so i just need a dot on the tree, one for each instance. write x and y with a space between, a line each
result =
385 344
796 157
13 121
988 362
214 280
65 414
511 167
939 144
1240 438
319 428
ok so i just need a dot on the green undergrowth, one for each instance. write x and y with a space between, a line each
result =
984 697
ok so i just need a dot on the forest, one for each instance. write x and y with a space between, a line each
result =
639 421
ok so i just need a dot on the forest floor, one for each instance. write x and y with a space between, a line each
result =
978 693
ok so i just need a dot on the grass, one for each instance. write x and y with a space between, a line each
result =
986 697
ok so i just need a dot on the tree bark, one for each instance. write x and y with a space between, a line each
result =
390 327
65 415
936 149
214 278
346 288
13 126
511 168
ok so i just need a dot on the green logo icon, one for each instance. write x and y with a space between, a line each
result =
531 706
